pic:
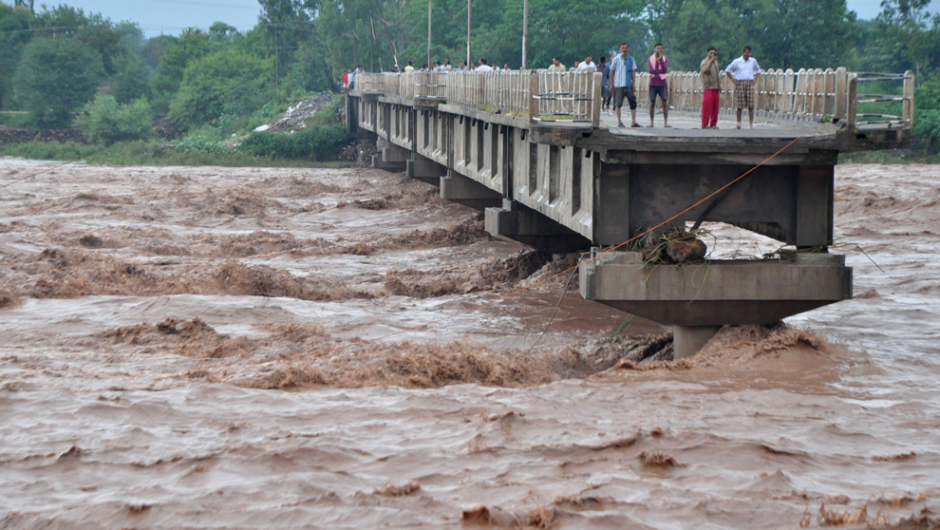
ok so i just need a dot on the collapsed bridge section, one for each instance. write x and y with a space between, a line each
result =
534 151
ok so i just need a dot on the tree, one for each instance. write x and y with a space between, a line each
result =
225 82
131 80
106 121
14 34
56 77
93 29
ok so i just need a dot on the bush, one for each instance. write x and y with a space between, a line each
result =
927 130
106 121
55 78
226 82
314 142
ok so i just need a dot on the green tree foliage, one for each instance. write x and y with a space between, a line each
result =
56 77
106 121
92 29
14 35
132 78
225 82
192 44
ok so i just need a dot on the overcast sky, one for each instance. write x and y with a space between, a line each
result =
171 16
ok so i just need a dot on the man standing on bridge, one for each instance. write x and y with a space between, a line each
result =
744 71
711 89
622 78
658 67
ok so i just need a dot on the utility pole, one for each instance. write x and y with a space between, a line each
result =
525 32
429 34
277 61
469 6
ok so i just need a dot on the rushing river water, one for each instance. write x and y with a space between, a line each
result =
177 350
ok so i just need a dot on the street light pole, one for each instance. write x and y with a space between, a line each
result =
469 7
429 35
525 32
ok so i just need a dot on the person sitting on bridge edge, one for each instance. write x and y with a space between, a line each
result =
623 79
587 64
744 71
711 89
556 65
658 65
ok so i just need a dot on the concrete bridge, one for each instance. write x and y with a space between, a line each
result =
534 150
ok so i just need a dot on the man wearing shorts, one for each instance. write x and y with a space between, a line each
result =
658 67
744 71
622 78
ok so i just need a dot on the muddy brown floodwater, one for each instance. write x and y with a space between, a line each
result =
180 348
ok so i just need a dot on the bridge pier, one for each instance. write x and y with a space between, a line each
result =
425 169
460 189
517 222
698 298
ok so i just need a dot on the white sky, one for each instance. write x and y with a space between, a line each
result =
171 16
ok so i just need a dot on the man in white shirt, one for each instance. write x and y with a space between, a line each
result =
483 67
744 71
587 64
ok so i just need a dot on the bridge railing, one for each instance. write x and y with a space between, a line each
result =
575 96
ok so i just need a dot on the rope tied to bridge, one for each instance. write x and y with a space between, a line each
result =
593 258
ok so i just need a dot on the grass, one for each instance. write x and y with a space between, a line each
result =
899 156
147 154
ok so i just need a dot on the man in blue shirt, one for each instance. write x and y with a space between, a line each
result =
622 79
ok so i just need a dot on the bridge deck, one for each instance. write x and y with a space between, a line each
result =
689 125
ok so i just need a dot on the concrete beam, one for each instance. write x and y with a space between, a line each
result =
527 226
425 170
718 292
460 189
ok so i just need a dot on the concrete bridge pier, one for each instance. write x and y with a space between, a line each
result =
698 298
688 340
425 169
520 223
462 190
390 157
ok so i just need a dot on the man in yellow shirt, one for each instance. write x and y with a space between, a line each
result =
410 68
557 66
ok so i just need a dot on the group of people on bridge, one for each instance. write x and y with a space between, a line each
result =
620 82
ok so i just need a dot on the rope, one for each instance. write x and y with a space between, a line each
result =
530 286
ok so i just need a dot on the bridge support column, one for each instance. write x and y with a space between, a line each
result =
425 170
458 188
391 158
697 299
518 222
688 340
